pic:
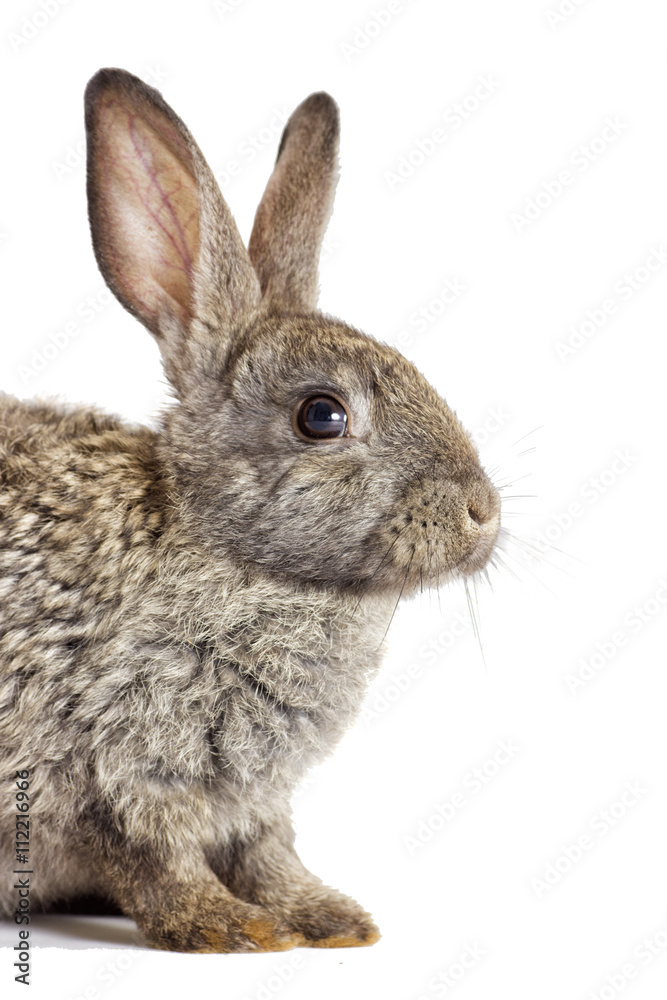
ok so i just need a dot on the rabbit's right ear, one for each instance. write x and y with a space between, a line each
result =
293 214
163 236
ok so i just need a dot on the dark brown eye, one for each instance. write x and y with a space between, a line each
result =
322 417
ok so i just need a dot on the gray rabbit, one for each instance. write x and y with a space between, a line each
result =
190 617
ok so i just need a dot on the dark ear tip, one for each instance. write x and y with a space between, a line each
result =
319 105
107 78
318 115
112 79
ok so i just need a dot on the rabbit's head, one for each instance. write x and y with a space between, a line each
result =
298 444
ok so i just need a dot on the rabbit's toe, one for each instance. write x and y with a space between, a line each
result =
256 934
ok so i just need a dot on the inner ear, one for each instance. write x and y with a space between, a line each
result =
144 203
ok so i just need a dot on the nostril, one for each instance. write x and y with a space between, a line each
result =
474 516
483 504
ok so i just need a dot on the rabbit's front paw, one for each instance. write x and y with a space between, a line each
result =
258 933
334 922
239 928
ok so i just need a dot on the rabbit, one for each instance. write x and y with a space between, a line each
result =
190 615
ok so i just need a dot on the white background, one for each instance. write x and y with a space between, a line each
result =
552 425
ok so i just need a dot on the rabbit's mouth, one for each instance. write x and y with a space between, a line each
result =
487 535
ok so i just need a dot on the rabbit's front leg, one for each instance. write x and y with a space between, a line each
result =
267 871
164 883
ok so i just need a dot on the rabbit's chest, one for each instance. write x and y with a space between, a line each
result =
244 686
276 719
232 717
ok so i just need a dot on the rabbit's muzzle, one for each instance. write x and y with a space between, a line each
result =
447 526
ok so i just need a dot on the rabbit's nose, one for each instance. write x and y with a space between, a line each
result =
479 517
483 503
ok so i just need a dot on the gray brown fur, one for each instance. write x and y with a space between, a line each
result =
189 618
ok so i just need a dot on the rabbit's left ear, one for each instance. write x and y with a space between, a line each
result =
163 235
293 214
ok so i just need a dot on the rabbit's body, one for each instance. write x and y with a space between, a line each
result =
194 680
189 617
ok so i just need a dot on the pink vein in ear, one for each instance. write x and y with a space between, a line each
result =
150 205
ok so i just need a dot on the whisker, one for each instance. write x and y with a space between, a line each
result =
524 436
498 561
405 578
474 587
529 569
530 545
379 567
512 482
526 547
473 617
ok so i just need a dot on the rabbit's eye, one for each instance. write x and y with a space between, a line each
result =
322 417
